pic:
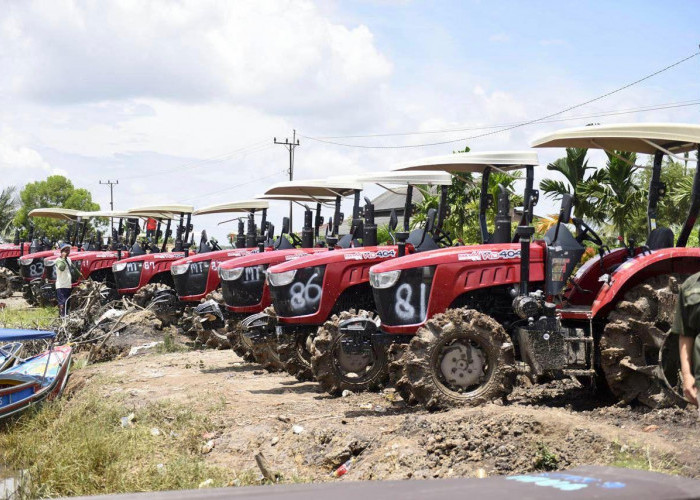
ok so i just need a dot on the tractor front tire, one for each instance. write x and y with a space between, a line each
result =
638 355
336 371
396 354
461 357
295 356
240 344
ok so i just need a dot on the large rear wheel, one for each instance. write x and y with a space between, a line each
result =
638 355
240 344
460 358
362 367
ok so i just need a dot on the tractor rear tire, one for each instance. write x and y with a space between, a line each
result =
459 358
295 356
395 354
28 294
636 344
6 278
167 313
239 342
265 354
336 371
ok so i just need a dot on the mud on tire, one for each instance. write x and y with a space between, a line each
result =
6 277
265 354
167 313
240 344
295 356
445 341
326 361
395 354
632 342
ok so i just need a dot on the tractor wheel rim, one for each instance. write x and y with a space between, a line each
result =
462 366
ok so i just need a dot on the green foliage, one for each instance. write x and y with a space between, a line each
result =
54 191
8 209
545 459
383 234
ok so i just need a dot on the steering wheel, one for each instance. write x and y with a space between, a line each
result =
586 232
442 238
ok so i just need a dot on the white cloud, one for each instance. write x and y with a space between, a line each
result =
15 156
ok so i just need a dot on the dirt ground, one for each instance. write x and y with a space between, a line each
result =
307 434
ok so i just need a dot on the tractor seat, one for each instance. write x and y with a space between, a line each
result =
428 242
283 243
661 237
136 250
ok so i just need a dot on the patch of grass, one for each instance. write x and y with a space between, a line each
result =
36 318
170 345
545 460
79 447
642 459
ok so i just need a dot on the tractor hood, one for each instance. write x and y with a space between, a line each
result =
155 257
270 258
28 258
92 255
335 256
218 255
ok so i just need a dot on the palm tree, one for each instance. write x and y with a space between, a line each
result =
573 167
8 208
615 192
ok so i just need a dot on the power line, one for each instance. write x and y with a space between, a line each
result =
235 186
517 125
245 150
655 107
291 146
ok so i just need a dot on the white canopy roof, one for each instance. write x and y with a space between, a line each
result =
56 213
163 209
413 177
473 162
316 187
631 137
232 207
128 214
299 198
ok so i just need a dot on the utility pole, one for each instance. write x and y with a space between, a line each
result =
291 146
111 185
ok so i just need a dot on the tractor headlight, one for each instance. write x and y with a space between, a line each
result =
384 280
281 279
24 261
178 269
49 263
230 274
118 267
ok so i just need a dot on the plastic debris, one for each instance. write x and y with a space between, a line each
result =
206 484
347 393
343 469
297 429
128 421
208 446
155 431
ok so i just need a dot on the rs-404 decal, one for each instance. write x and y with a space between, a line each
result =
479 255
379 254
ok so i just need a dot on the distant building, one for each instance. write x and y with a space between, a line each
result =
394 199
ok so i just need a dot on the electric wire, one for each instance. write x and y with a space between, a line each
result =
517 125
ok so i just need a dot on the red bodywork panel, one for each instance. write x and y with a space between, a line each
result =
215 258
459 270
91 262
153 264
38 257
644 266
344 268
12 251
270 259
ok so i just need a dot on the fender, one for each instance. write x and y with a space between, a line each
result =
640 268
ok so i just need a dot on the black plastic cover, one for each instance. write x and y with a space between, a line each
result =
130 276
33 270
562 256
194 281
246 290
406 302
302 296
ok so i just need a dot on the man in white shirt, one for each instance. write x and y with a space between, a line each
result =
64 280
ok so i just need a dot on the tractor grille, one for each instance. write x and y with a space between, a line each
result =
194 281
129 277
405 303
33 270
246 290
302 296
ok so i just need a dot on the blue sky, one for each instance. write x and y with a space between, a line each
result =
145 91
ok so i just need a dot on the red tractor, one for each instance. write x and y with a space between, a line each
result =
343 348
308 291
10 254
196 276
150 264
31 265
488 313
243 279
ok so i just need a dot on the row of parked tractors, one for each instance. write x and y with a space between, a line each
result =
445 324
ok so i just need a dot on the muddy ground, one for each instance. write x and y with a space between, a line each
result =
307 434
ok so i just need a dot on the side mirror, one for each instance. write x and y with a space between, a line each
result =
367 201
430 220
341 218
285 225
567 203
393 221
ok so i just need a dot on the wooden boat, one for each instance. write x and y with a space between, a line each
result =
36 379
9 354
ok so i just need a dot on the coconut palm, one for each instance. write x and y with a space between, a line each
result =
573 167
